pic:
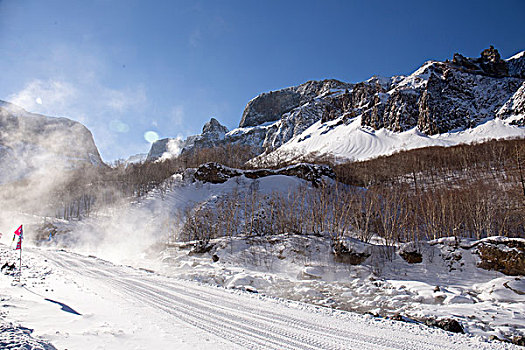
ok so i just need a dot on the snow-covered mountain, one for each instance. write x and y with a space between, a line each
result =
441 103
32 142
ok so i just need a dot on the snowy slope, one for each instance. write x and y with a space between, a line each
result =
82 302
351 141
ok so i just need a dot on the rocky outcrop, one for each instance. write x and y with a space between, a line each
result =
410 253
218 173
489 63
438 97
506 256
516 65
269 107
453 99
214 130
215 173
447 324
351 251
342 254
213 134
515 107
59 136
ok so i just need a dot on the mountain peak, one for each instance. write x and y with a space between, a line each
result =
213 126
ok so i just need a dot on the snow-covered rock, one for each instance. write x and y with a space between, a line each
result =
136 159
218 173
213 132
269 107
514 108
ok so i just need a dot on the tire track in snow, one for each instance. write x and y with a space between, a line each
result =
250 321
255 335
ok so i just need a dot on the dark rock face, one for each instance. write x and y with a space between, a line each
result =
507 257
447 324
308 172
454 100
343 254
516 65
515 106
269 107
489 63
411 252
215 173
218 173
439 97
412 257
214 130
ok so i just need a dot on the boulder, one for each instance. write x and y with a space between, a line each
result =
412 257
410 253
506 255
447 324
519 340
351 252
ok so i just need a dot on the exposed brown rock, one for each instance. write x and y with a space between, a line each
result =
343 254
447 324
507 257
412 257
218 173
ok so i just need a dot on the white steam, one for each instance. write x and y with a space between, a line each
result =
174 148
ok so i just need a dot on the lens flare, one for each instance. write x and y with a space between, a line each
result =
118 126
151 136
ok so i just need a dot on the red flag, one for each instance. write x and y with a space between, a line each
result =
20 233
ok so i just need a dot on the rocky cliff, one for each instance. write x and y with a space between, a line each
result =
437 98
31 141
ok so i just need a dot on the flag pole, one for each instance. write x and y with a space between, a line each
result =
20 242
20 276
20 233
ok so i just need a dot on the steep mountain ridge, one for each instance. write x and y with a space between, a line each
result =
438 98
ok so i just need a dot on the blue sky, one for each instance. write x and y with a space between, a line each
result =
124 68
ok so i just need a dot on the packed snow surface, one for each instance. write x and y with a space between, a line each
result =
76 302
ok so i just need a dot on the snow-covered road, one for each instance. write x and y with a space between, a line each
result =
213 317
